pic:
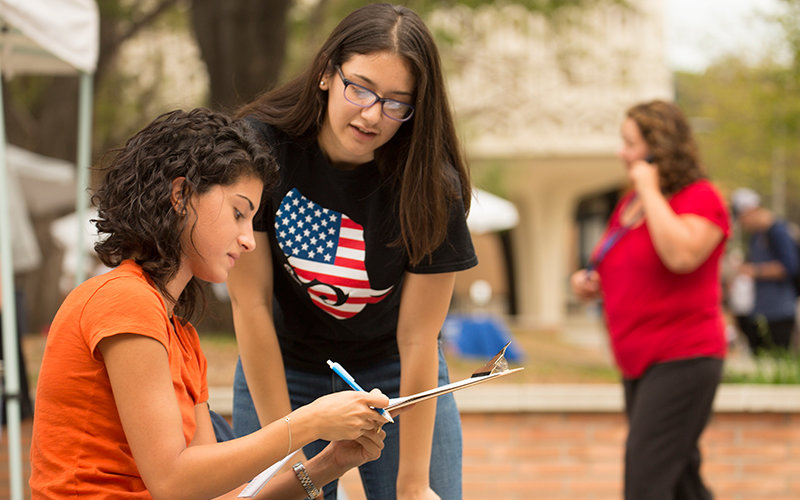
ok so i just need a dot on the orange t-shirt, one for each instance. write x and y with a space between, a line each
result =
79 449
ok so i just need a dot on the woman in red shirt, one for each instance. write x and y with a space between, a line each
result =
657 271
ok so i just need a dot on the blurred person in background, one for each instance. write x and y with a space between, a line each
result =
771 262
25 400
657 272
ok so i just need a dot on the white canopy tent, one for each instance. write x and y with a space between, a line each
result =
489 213
40 37
37 186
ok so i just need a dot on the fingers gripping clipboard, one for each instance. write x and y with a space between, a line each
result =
495 368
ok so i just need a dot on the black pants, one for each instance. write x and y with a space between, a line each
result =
668 408
766 335
25 403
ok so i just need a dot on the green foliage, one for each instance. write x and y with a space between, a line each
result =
28 91
750 114
312 21
747 121
790 23
771 365
122 106
549 8
778 366
123 102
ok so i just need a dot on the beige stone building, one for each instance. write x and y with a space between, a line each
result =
539 107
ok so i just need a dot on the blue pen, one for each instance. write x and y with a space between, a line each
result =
339 370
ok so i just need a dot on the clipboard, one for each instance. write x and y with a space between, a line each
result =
495 368
397 403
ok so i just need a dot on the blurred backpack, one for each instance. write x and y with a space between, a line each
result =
794 232
796 276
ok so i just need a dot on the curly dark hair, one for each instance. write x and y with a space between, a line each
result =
669 138
133 203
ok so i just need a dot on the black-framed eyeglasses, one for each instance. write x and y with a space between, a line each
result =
363 97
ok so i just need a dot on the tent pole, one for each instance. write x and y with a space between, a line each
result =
83 163
10 341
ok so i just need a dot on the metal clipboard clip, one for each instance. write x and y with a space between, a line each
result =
495 365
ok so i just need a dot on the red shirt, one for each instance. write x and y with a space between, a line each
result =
653 314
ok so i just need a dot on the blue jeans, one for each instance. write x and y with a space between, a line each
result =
379 477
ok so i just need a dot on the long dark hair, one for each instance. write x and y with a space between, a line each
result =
669 138
133 202
423 160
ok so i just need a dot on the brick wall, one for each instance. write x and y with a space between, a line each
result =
566 441
561 441
543 456
568 455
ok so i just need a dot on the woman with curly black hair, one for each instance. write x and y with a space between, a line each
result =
122 401
657 271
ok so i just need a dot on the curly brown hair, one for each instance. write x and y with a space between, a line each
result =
133 202
669 138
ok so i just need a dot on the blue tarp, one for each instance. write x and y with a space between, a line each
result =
479 336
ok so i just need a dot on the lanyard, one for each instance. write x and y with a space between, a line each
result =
611 238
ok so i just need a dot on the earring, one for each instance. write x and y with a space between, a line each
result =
322 84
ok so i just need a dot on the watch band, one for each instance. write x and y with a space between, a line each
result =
300 471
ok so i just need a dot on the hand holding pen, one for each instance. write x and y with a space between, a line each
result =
349 380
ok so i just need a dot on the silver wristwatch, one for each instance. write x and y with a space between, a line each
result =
300 471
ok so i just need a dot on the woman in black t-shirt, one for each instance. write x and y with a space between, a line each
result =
358 246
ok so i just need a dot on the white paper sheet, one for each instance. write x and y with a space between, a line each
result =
260 480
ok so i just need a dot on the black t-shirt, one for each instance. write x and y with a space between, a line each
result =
337 278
